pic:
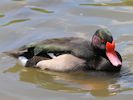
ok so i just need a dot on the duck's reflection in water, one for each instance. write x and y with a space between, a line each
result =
96 83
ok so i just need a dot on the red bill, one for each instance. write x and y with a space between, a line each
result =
111 54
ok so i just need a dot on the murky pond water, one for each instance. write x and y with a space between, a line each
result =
24 21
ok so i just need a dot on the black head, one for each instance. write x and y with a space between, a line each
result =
103 43
100 38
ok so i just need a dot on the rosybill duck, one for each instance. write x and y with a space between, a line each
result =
71 53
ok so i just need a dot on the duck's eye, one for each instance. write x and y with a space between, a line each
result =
103 41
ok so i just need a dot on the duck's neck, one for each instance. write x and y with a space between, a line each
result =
99 52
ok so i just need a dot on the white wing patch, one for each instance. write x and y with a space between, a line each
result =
52 55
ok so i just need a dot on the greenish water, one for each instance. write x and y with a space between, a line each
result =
24 21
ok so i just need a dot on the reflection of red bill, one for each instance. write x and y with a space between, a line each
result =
111 54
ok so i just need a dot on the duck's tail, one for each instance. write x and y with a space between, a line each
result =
15 53
23 59
18 54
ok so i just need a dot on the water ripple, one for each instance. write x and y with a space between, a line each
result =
1 15
40 10
15 21
122 3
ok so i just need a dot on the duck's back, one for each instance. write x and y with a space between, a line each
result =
76 46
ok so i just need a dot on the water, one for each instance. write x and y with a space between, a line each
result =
24 21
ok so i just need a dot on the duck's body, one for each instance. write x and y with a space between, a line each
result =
72 45
64 63
65 54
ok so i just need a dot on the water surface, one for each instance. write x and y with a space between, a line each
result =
24 21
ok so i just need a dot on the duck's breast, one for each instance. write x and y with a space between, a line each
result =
63 63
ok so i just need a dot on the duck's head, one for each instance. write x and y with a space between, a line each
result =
104 45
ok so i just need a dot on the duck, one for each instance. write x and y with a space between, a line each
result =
69 54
